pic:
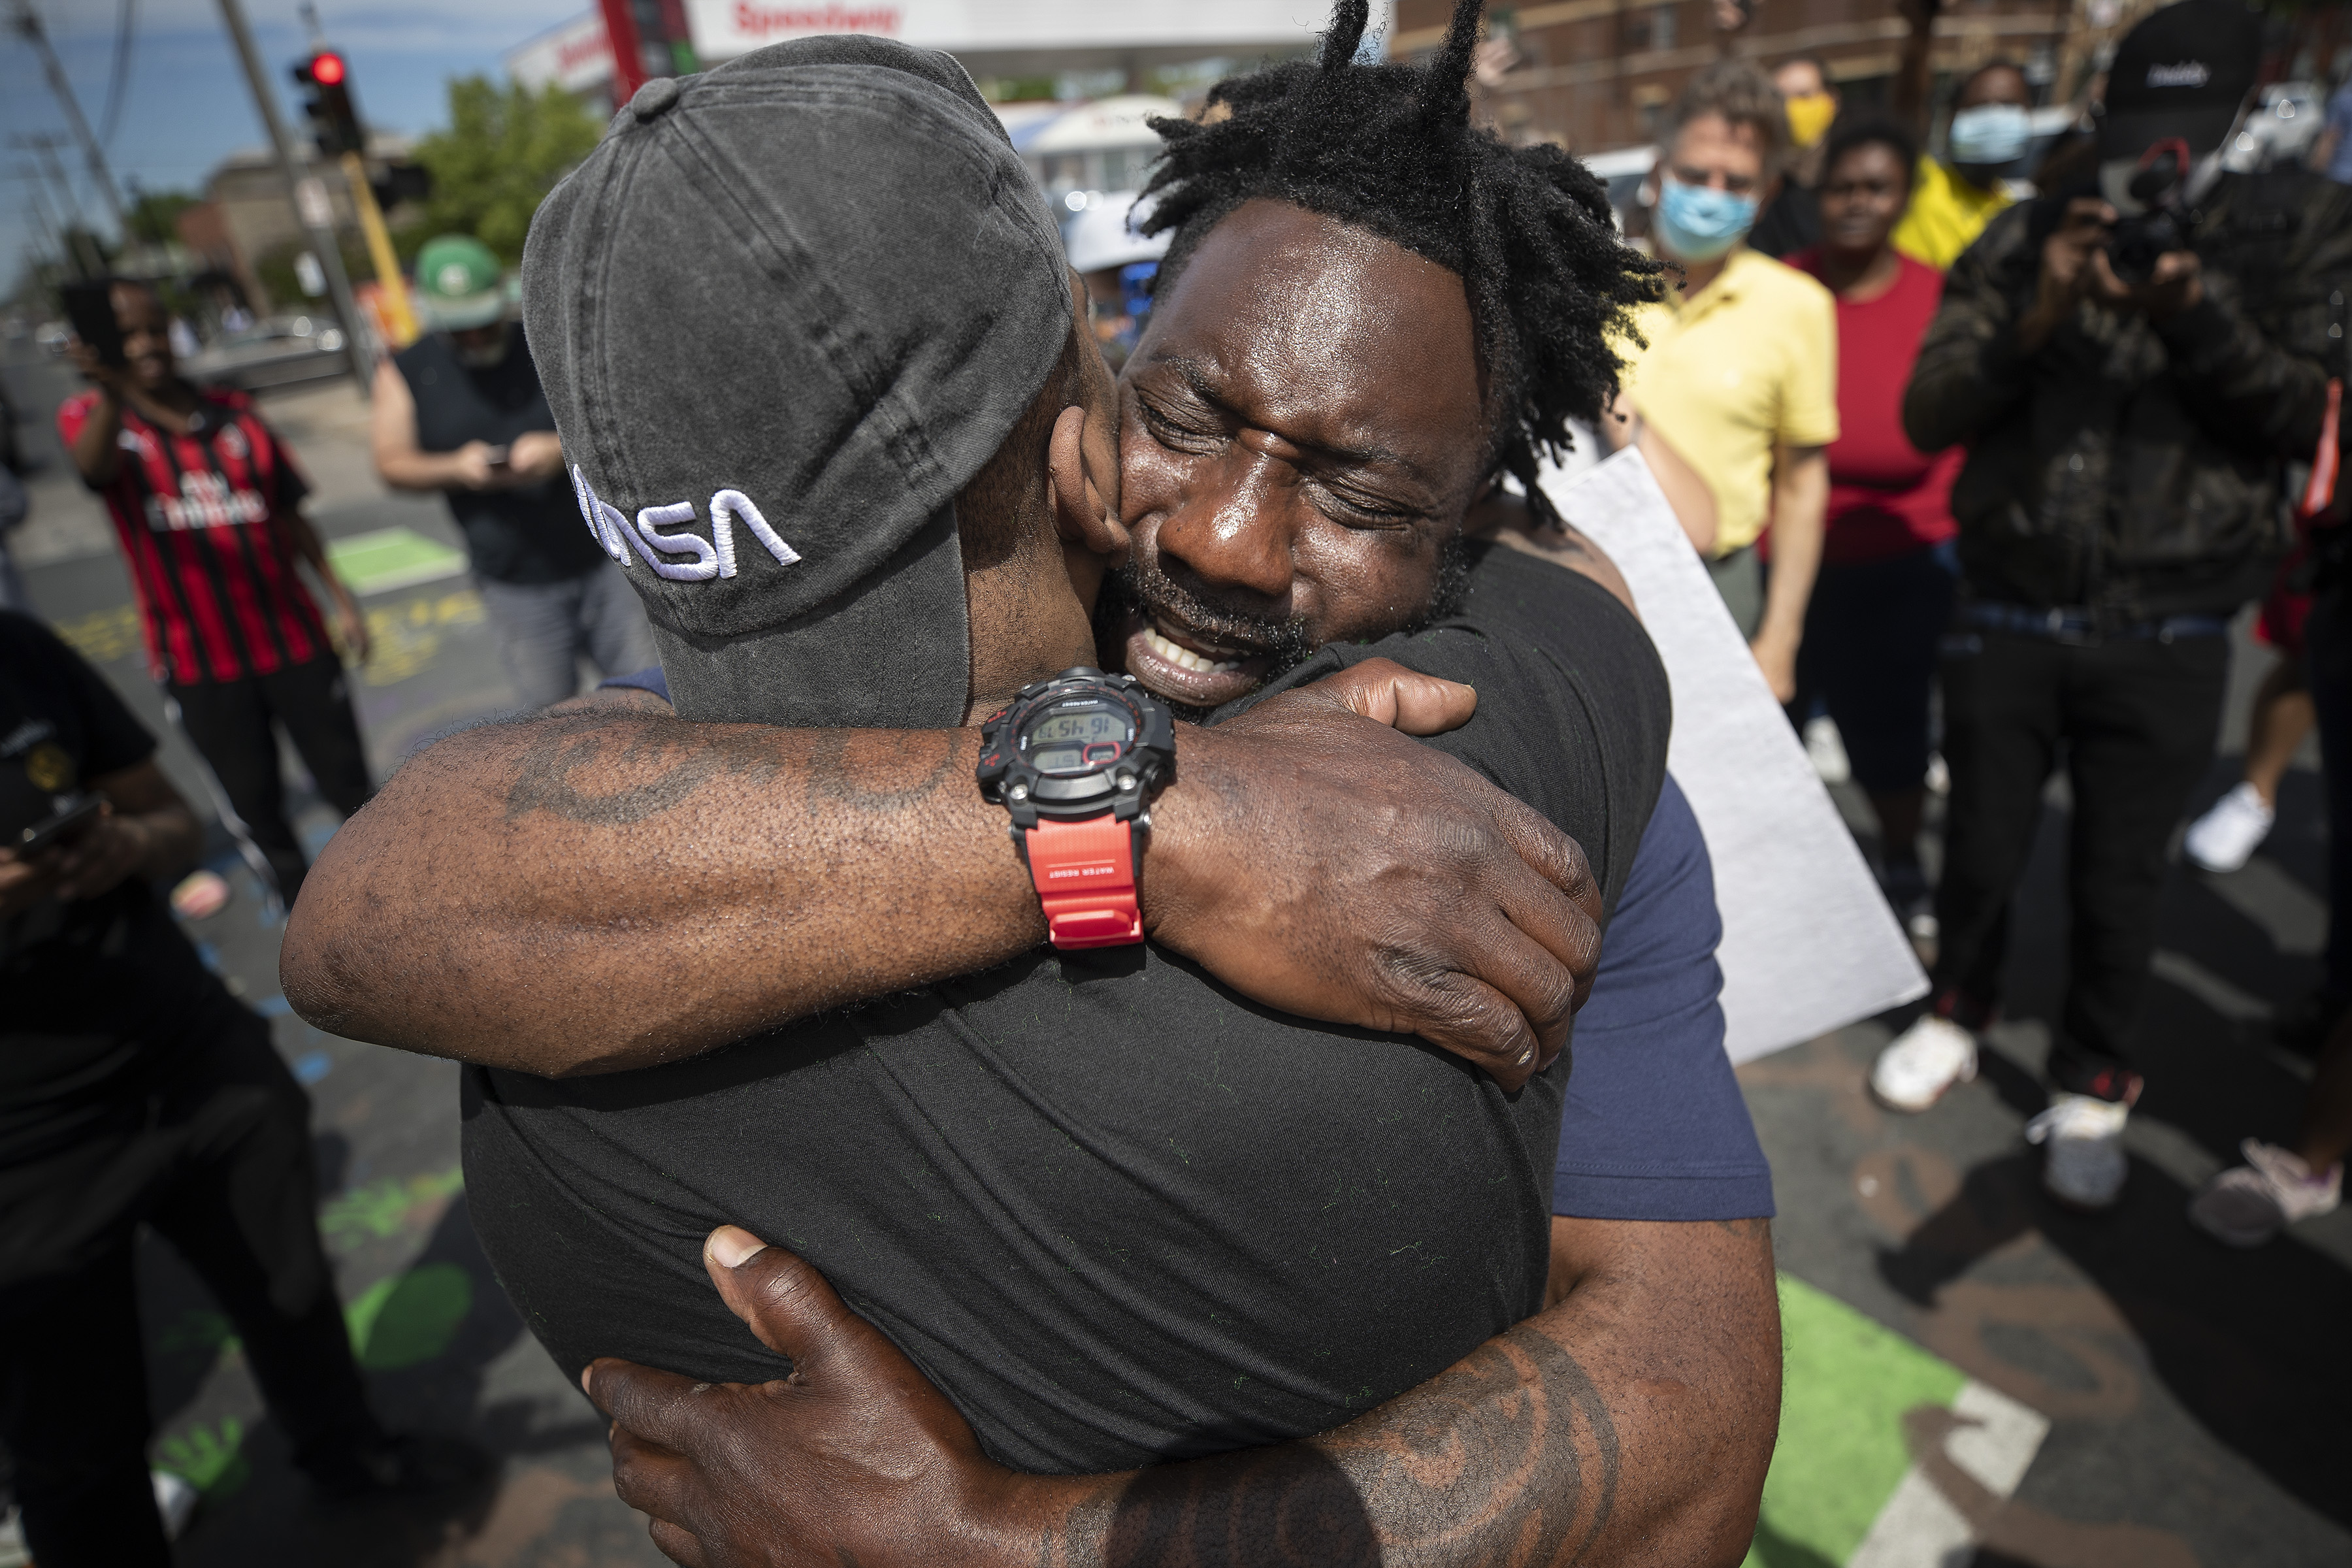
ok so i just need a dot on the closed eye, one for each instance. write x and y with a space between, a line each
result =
1187 430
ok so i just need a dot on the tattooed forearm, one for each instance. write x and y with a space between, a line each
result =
656 772
1510 1455
714 879
1630 1421
613 770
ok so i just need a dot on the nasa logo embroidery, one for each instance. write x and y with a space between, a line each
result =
713 557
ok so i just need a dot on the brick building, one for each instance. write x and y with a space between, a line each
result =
1595 75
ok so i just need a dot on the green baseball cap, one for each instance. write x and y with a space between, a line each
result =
459 283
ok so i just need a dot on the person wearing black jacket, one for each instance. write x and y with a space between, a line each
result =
135 1090
2131 365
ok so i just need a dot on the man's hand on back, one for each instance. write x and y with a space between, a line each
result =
1630 1421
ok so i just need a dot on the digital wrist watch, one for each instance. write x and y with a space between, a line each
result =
1075 760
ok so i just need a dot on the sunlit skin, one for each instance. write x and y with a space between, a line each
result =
1302 432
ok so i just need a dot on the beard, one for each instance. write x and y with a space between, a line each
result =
1286 643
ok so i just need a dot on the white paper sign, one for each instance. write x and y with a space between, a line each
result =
1808 944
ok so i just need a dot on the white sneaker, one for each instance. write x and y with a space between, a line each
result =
2247 1204
175 1502
2083 1159
1825 749
2223 838
1923 1062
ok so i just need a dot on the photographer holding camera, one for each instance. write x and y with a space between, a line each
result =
2132 364
134 1088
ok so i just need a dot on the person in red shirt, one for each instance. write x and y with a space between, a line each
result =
1888 564
206 505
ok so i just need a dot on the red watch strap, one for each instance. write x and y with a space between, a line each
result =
1085 873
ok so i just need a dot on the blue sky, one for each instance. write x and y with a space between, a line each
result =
185 105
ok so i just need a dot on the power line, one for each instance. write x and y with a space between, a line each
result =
28 26
110 122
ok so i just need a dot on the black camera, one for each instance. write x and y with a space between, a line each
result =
2157 185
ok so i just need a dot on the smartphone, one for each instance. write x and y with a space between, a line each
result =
60 825
90 307
500 460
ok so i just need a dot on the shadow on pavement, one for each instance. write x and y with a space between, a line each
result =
2231 1334
259 1509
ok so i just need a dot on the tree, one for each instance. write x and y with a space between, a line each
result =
154 217
503 151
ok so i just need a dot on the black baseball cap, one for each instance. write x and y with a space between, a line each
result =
784 312
2183 71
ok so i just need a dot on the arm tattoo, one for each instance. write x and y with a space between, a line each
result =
663 766
833 778
669 771
1509 1456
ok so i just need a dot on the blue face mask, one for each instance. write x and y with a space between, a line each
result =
1699 222
1990 135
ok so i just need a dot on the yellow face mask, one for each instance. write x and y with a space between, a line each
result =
1809 117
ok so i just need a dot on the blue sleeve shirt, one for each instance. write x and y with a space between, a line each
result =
1654 1127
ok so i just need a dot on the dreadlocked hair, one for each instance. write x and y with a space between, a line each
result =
1390 149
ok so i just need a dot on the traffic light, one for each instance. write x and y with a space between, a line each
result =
333 118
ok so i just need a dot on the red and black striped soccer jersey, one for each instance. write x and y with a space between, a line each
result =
198 520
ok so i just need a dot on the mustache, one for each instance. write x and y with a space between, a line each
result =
1142 585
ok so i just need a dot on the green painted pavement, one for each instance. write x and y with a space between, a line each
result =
1842 1452
409 1318
384 559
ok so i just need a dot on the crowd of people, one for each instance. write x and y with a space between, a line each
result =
1090 1247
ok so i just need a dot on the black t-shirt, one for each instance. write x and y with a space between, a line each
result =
530 534
1117 1212
92 994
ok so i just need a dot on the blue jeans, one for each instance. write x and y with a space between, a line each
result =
542 629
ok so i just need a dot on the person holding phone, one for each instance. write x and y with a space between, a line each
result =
134 1088
460 411
206 502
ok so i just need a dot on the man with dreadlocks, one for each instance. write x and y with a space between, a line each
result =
1322 393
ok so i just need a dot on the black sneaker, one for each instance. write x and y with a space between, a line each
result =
401 1464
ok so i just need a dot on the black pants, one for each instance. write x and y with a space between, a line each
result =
216 1158
2138 718
230 722
2328 637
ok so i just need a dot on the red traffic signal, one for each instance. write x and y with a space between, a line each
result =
334 120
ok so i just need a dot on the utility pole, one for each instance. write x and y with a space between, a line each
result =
311 206
28 24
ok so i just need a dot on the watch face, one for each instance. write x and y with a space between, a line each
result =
1080 737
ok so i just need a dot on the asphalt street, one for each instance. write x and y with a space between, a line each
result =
2162 1400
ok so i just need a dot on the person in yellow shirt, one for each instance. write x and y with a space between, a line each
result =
1732 394
1954 197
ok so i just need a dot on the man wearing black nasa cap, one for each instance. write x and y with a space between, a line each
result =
2133 366
1097 1203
